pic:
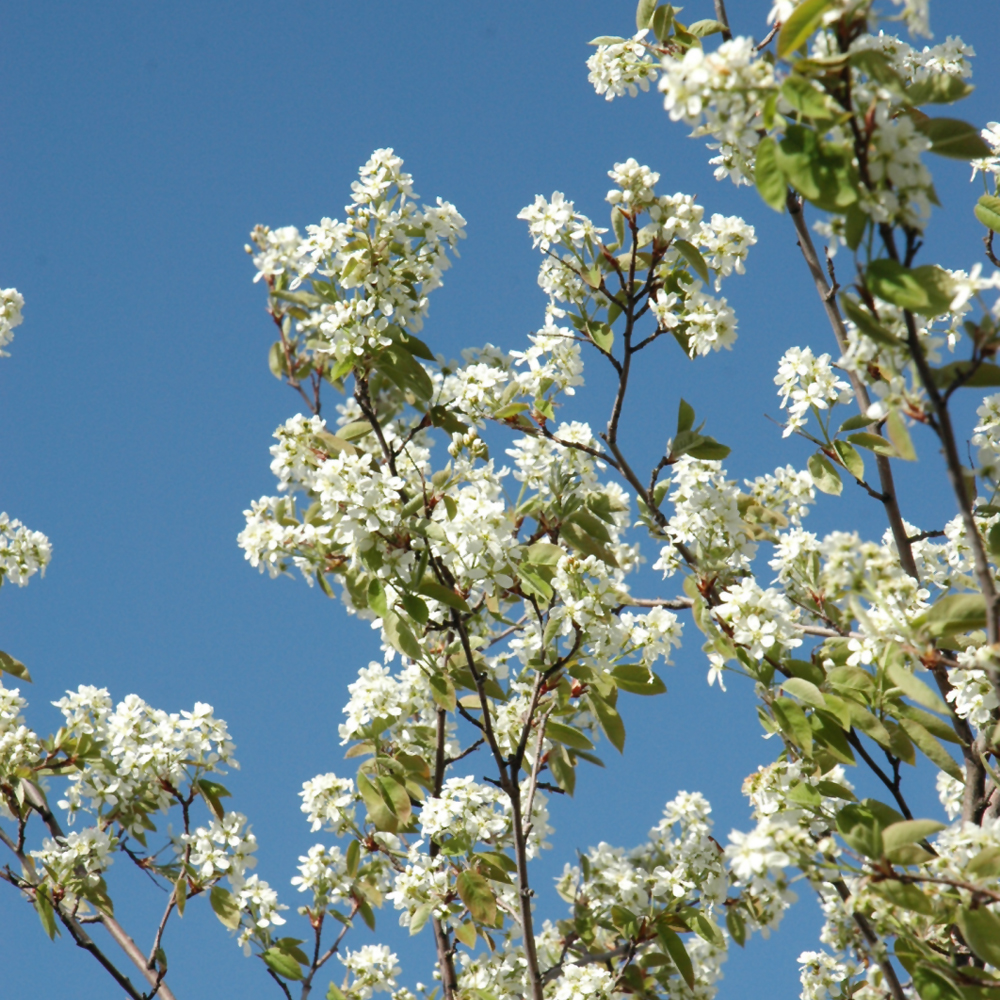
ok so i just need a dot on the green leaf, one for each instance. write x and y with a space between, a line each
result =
685 416
415 608
867 324
931 985
736 925
644 14
610 720
853 423
663 18
674 947
910 831
805 691
709 450
545 554
877 67
955 614
938 88
637 680
417 347
180 894
855 226
860 829
43 906
853 462
793 723
985 865
974 376
931 749
443 691
584 543
873 442
438 592
225 907
802 22
981 930
900 436
693 256
809 99
591 524
567 735
825 476
926 290
466 933
282 963
953 138
399 635
768 176
707 26
367 914
988 211
276 360
477 895
913 687
353 857
602 335
15 668
397 798
909 897
379 812
212 792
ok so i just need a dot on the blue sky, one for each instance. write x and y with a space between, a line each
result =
141 144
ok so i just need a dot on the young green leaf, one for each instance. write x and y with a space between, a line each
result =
478 897
824 475
953 138
768 176
225 907
802 22
851 460
988 211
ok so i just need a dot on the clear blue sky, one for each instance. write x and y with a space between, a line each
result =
140 144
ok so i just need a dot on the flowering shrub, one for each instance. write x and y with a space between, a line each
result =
511 636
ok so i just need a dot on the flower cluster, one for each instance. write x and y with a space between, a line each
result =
148 755
706 514
23 552
11 304
721 93
805 383
622 67
75 862
19 748
761 620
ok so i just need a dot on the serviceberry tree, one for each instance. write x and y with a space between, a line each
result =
511 639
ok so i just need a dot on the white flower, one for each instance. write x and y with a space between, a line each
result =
583 982
374 968
621 68
721 93
805 381
755 853
11 304
465 808
760 619
323 872
23 552
971 692
329 801
990 164
224 847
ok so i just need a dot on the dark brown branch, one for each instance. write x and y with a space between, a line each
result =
893 786
722 18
